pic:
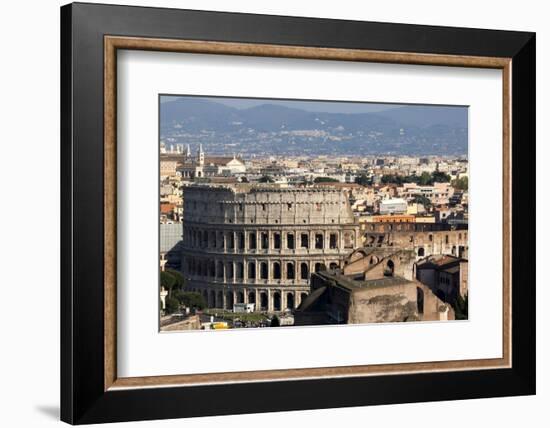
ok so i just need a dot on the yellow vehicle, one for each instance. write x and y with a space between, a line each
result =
221 325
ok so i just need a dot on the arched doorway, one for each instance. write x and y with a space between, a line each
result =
304 271
276 301
263 270
276 270
263 301
389 269
212 299
290 270
252 297
290 301
421 252
229 303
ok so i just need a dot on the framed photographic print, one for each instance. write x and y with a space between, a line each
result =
292 213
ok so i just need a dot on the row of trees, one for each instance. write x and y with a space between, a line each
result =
424 179
174 283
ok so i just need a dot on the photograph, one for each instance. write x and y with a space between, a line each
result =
293 212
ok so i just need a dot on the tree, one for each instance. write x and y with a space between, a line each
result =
440 177
167 280
178 277
425 179
172 305
423 200
190 299
460 183
392 179
363 180
275 322
460 307
325 180
266 179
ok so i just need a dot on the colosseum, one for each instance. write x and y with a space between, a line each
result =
259 243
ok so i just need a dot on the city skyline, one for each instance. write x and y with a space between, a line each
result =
274 216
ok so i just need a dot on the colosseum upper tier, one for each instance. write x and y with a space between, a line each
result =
258 243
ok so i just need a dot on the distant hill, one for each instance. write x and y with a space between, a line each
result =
425 116
403 129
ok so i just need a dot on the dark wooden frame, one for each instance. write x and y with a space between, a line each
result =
89 33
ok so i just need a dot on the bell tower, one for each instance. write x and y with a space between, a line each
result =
200 156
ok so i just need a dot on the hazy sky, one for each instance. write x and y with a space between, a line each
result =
315 106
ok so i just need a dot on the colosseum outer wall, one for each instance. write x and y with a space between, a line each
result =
257 244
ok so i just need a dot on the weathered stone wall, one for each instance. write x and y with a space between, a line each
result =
259 244
346 301
378 262
424 239
389 304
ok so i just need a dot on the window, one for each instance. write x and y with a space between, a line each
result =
263 270
276 270
319 241
304 240
212 269
219 270
229 271
304 271
240 271
252 241
290 270
290 241
241 240
231 241
277 241
388 271
213 238
289 206
251 270
333 241
264 238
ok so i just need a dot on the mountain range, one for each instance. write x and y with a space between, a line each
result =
404 129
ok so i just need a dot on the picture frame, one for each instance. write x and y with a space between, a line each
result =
91 391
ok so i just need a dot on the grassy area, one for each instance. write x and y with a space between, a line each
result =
231 316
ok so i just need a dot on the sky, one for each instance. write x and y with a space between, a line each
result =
313 106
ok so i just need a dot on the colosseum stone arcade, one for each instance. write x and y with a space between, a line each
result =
258 244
